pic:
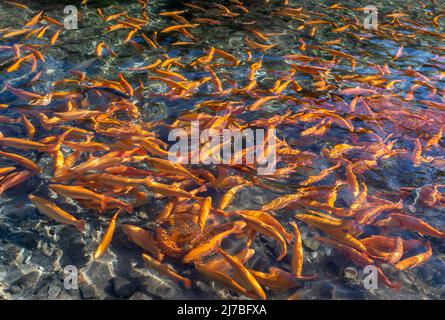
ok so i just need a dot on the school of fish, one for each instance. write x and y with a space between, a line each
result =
344 118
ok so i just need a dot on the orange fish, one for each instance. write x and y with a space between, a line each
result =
246 278
165 270
54 212
107 237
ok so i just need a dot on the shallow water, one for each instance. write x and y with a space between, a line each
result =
34 251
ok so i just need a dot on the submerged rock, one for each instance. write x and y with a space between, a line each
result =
27 240
157 285
27 281
88 291
350 275
54 288
311 244
122 287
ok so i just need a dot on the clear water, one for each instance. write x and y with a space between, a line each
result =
32 244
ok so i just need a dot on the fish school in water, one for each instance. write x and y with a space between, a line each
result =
228 150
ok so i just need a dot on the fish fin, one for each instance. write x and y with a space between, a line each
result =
128 207
309 277
187 283
289 237
81 225
103 203
222 172
199 181
148 180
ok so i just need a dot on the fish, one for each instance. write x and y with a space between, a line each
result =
357 91
107 237
30 129
54 212
178 27
221 277
267 219
168 190
267 230
384 248
411 223
34 20
414 261
78 192
204 212
165 270
276 279
167 166
143 239
334 228
54 37
297 255
281 202
13 179
211 244
24 162
21 144
227 198
248 280
6 170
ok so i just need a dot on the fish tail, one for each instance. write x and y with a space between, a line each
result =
127 207
289 237
148 180
4 87
103 203
187 283
199 180
81 225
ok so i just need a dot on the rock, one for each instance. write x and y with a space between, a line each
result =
54 288
88 291
311 244
73 248
27 240
15 289
327 292
157 285
100 273
10 254
350 274
122 287
28 280
46 249
140 296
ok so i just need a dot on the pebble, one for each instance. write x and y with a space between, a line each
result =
122 287
54 288
27 240
28 280
88 291
311 244
10 254
140 296
350 274
157 285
